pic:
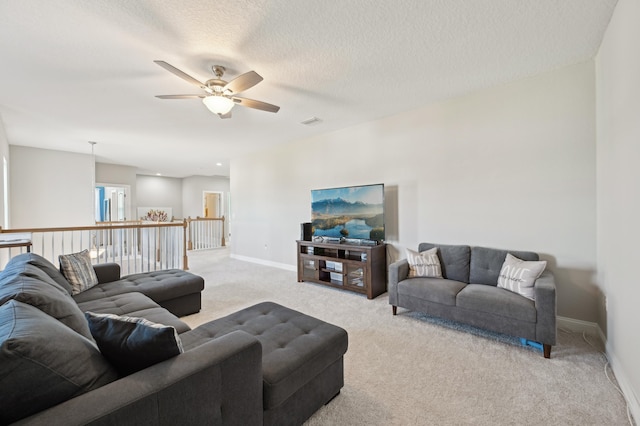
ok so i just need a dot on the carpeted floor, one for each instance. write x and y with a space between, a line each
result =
415 370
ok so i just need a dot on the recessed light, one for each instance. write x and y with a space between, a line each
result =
158 174
218 164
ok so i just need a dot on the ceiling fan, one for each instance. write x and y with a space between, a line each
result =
220 95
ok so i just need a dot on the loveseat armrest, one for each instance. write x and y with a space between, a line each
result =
218 382
107 272
398 271
545 302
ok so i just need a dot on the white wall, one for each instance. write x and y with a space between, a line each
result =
4 153
618 71
50 188
160 191
509 167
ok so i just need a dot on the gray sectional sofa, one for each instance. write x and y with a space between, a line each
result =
265 364
468 293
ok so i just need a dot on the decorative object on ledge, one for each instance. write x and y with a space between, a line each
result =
155 214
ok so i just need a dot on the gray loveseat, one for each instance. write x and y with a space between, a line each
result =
265 364
468 293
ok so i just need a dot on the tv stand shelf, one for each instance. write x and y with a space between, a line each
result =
358 268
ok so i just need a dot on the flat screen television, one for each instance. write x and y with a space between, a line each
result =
353 212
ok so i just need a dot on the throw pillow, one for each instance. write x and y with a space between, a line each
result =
519 275
424 264
132 344
78 270
43 362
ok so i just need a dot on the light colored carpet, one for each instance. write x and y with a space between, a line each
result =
413 370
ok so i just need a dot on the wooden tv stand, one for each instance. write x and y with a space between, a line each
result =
358 268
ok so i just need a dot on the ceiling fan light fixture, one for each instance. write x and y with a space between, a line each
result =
218 104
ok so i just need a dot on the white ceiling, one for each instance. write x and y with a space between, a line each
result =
74 71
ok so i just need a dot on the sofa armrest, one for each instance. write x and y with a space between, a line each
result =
398 271
218 382
107 272
545 292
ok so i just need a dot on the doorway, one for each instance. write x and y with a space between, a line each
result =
112 203
213 204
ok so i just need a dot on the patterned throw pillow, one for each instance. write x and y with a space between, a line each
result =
424 264
78 270
519 275
132 344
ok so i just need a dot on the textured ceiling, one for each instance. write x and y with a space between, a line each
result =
74 71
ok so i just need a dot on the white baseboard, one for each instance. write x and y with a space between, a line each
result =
594 329
625 384
264 262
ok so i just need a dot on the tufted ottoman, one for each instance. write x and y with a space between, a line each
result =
302 358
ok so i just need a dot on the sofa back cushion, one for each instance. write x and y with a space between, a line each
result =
17 284
454 260
486 263
43 264
43 362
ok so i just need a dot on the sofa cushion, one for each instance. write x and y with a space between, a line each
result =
134 305
520 276
424 264
436 290
43 362
49 299
486 263
158 285
26 269
44 265
132 344
78 270
454 260
498 301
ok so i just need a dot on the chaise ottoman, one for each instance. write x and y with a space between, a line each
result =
302 358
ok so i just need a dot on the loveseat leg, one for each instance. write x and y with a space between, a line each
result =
547 350
395 309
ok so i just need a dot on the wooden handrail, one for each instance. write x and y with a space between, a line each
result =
97 227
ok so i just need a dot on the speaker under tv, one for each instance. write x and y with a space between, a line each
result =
305 231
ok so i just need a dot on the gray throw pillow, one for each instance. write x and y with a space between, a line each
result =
43 362
519 275
132 344
78 270
42 295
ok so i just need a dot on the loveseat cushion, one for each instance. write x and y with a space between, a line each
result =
497 301
134 304
436 290
50 299
44 265
486 263
454 260
158 285
43 362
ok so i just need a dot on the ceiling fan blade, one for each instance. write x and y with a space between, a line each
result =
180 74
256 104
227 115
179 96
243 82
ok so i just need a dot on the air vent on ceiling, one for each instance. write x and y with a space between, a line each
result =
311 121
